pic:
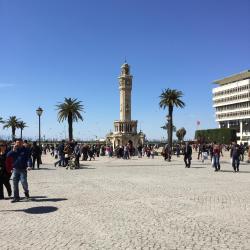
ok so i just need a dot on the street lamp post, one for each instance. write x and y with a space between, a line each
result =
39 112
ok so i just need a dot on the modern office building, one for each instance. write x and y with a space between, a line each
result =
231 100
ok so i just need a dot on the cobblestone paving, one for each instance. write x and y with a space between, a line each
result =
133 204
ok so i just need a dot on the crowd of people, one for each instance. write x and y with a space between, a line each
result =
19 157
211 151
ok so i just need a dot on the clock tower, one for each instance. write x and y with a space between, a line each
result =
125 86
125 129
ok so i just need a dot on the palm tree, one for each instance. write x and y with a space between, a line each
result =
180 134
12 123
171 98
22 125
70 110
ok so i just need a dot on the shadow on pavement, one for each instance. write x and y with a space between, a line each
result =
167 164
35 210
38 197
45 199
44 169
231 171
85 167
198 167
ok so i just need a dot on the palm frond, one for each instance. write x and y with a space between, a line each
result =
22 125
12 121
70 106
171 98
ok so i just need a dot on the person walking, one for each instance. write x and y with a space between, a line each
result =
126 153
235 156
36 153
199 151
242 151
187 155
77 153
178 150
139 150
204 153
216 157
5 174
28 148
166 152
19 157
60 150
68 151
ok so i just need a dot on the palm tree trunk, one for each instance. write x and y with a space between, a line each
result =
21 133
70 123
170 127
13 133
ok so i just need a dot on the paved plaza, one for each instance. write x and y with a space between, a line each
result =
131 204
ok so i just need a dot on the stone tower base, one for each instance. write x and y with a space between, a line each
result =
117 140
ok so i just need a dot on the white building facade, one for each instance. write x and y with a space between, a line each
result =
231 100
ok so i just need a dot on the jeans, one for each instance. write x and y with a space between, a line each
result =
77 160
20 175
235 163
35 159
30 162
187 160
216 159
61 161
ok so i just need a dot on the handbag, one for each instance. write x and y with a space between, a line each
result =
205 156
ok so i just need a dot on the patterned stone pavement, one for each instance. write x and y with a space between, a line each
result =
133 204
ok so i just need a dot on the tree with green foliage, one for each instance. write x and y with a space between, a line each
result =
219 135
22 125
70 110
180 134
13 123
171 98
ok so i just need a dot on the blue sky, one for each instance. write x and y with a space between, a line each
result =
51 49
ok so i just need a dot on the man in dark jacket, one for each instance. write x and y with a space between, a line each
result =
36 153
19 157
4 174
60 150
187 151
235 155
